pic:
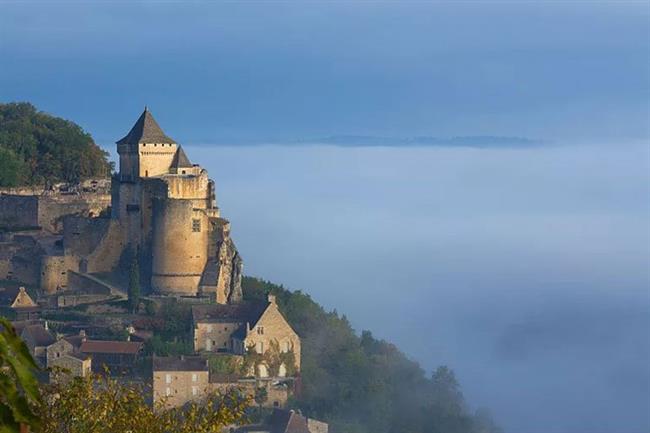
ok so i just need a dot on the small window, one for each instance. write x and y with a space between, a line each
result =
196 225
260 330
183 172
168 391
194 377
168 379
260 347
195 390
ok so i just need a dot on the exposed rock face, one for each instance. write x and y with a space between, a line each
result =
223 271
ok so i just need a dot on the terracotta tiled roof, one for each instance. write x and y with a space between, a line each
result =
101 346
146 130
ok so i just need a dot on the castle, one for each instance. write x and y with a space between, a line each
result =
163 212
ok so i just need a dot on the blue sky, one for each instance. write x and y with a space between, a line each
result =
227 71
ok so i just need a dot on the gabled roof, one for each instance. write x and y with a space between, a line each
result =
181 159
230 313
283 421
101 346
39 335
146 130
179 363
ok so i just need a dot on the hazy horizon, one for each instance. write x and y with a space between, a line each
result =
525 270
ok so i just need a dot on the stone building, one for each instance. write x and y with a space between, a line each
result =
16 302
162 209
238 328
117 356
286 421
37 337
179 379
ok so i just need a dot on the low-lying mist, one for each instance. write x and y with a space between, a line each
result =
525 270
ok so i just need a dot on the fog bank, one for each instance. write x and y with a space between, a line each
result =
526 270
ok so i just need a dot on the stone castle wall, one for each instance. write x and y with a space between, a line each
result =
180 245
47 211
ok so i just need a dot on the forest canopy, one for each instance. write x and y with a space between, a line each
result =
39 149
360 384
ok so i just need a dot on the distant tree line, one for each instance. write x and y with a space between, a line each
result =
39 149
360 384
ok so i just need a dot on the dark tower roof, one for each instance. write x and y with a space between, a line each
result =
181 159
146 130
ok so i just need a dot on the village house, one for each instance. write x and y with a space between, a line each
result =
65 354
286 421
16 302
37 337
243 327
117 356
179 379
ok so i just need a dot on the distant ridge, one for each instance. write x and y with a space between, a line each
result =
475 141
482 141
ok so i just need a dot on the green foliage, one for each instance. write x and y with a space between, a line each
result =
162 347
364 385
224 364
12 168
100 404
134 282
36 148
18 386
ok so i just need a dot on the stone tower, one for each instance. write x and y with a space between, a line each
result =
167 207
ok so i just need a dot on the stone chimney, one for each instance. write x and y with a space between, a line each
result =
46 326
271 298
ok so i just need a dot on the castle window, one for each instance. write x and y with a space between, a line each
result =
260 330
196 225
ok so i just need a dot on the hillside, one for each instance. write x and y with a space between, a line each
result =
364 385
37 148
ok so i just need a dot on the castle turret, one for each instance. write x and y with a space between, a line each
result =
146 150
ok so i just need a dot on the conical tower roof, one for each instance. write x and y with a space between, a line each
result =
146 130
181 159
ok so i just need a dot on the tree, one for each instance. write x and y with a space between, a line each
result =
261 397
45 148
134 281
12 168
19 391
100 404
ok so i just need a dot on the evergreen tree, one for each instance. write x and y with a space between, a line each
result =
134 281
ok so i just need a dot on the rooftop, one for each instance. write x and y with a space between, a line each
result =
101 346
146 130
39 335
179 363
181 159
238 313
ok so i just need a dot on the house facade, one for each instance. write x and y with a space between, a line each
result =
179 379
257 327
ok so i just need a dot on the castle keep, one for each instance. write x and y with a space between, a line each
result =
162 210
